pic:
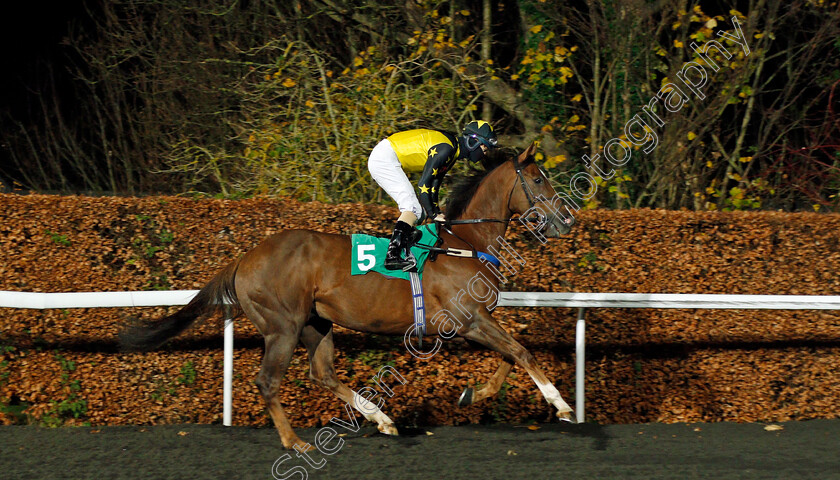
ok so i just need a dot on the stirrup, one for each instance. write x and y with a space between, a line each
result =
393 261
409 261
405 264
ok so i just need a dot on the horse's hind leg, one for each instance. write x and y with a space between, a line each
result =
492 387
279 348
317 337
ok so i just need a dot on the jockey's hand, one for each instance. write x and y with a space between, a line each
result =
440 218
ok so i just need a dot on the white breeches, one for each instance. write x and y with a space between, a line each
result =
386 170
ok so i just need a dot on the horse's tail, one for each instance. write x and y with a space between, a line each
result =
219 295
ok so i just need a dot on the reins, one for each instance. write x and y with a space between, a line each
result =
529 194
473 253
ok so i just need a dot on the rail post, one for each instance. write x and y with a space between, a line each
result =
227 389
580 354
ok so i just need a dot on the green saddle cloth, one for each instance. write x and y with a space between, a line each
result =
369 253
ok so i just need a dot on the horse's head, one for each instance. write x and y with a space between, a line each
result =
533 197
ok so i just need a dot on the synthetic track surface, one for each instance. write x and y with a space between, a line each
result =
652 451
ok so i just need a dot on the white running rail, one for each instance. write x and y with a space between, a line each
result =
581 301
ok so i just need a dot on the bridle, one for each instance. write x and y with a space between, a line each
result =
529 194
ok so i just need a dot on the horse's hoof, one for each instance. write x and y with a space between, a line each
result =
567 416
388 429
466 397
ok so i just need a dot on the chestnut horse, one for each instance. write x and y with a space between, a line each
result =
295 284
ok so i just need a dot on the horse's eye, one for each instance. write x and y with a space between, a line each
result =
538 180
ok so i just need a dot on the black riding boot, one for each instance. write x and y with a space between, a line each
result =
400 241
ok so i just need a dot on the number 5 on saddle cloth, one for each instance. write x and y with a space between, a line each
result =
368 255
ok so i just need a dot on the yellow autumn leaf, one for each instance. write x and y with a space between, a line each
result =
759 35
744 159
577 98
357 61
289 83
710 164
678 44
574 49
691 135
536 29
465 13
574 119
539 156
309 104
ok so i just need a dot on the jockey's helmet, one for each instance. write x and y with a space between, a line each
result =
479 132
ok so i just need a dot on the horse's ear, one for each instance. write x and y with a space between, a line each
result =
528 154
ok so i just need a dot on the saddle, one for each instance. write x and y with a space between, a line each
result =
368 252
368 255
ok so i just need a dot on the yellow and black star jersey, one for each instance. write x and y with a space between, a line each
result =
430 151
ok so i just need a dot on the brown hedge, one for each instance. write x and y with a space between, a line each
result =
643 365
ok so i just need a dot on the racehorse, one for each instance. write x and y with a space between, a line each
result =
296 284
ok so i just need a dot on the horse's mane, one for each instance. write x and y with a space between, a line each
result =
464 188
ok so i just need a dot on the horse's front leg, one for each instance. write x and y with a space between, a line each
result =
492 387
484 330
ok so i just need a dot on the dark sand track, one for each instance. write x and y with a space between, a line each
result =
721 451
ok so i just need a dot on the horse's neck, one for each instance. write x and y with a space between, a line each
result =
490 201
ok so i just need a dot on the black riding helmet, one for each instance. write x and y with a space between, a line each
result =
475 134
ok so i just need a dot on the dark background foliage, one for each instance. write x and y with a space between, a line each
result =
236 98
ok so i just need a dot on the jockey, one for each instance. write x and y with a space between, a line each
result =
433 152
